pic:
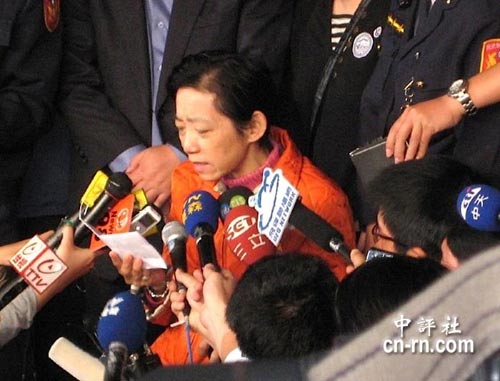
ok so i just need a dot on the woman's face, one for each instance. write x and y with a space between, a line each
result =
209 138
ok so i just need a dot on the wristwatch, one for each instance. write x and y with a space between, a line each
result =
458 91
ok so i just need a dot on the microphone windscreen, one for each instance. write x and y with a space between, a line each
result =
123 319
200 208
119 185
76 361
243 236
232 198
479 206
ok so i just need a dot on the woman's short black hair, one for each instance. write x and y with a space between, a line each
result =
240 85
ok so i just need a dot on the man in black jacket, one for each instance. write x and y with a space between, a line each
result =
30 54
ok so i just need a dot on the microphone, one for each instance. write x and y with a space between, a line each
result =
121 330
174 236
123 319
117 186
243 236
76 361
318 230
201 218
479 206
232 198
117 362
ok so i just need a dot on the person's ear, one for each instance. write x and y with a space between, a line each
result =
416 252
257 127
448 259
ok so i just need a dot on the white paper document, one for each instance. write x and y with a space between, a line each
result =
135 244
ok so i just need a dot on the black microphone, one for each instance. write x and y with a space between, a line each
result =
318 230
118 186
233 197
116 363
174 236
201 218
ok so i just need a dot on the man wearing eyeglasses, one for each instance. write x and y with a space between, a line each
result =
415 203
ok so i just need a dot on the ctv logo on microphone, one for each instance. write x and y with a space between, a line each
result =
38 264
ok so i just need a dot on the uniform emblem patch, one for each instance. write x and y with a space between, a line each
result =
490 54
362 45
51 14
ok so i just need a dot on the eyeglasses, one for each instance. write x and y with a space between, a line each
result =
376 236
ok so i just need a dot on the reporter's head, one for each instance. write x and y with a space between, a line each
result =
283 306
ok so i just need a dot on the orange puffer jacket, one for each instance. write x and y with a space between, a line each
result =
318 192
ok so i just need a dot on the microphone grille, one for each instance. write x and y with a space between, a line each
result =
173 230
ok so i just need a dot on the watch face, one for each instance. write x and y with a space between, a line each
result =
457 86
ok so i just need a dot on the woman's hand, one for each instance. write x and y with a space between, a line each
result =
132 270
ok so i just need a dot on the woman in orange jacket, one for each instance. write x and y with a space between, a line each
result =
224 107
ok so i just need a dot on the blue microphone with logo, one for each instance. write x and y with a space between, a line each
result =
121 330
200 216
479 206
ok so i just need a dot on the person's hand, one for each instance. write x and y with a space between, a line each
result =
78 260
7 251
133 272
357 259
193 292
217 290
151 170
410 135
208 295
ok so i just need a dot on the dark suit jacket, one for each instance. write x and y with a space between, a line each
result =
29 66
106 97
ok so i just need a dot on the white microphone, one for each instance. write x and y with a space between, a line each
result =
76 361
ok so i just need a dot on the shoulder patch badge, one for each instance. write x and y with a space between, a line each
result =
490 54
51 14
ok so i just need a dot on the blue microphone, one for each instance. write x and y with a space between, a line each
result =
200 216
479 206
123 320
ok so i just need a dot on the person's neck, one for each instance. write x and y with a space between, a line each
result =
345 7
253 177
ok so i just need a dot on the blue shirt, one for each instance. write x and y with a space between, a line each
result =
158 21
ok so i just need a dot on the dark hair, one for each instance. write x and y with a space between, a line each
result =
378 287
465 241
283 306
418 198
240 85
